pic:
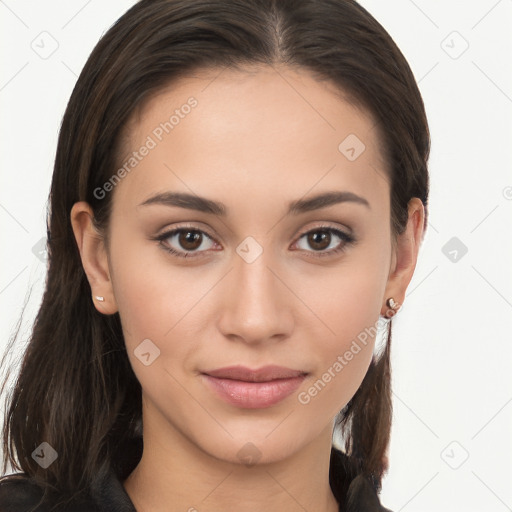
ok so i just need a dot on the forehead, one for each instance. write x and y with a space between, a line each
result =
261 131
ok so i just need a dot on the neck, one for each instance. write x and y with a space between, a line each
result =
175 474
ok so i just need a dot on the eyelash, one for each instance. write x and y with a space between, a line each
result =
347 239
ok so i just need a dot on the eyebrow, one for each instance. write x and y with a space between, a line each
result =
202 204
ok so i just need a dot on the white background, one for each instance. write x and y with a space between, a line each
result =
452 345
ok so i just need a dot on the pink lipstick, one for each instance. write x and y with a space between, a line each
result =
254 389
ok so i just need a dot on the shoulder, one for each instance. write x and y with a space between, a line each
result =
19 493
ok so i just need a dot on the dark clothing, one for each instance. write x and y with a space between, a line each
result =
18 493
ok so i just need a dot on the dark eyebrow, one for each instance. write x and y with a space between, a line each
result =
202 204
324 200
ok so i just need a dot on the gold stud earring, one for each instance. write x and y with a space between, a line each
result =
394 307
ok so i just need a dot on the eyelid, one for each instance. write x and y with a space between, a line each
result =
195 226
326 225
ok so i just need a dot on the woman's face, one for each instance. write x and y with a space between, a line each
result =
254 282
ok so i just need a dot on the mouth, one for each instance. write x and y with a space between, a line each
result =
264 374
253 389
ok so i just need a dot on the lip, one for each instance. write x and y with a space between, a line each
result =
254 389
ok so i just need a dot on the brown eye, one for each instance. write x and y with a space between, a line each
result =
185 242
188 239
321 238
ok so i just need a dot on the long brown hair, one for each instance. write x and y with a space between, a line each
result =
76 389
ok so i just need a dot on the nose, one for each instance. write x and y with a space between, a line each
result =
257 304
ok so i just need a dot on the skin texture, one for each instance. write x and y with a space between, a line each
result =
255 141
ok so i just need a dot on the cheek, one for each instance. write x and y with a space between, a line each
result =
148 290
348 303
347 300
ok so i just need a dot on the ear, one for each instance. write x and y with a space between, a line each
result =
405 255
93 253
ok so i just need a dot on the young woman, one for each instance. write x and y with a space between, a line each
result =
238 201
